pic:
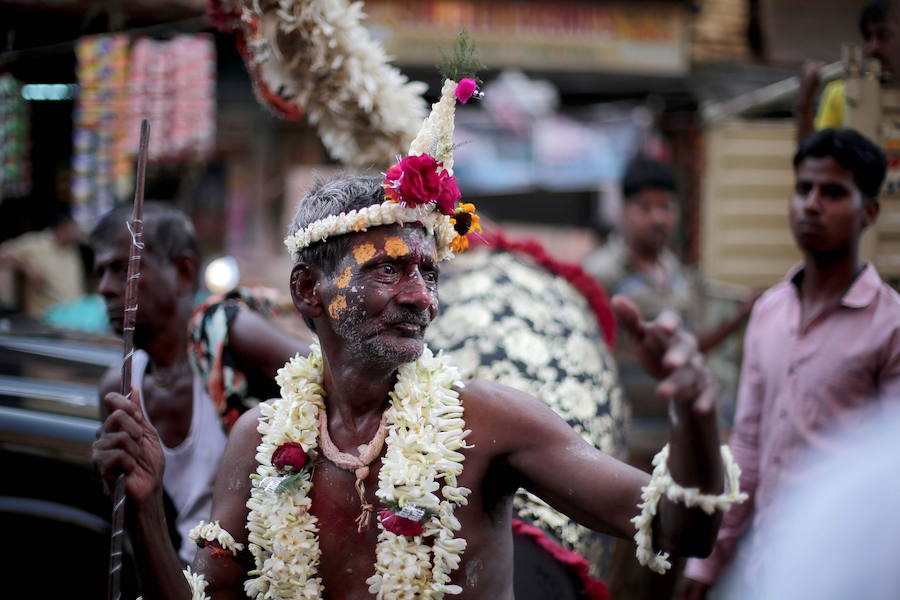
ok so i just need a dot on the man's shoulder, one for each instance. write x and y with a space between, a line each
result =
491 405
27 242
607 264
245 431
776 295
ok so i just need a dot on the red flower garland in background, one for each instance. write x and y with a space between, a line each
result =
571 272
594 588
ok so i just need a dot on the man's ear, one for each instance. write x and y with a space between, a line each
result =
870 212
304 281
187 271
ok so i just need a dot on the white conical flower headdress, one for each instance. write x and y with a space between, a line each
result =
421 186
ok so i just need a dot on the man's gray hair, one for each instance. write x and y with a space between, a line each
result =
333 197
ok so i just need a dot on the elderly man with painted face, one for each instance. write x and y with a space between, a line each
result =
377 472
822 347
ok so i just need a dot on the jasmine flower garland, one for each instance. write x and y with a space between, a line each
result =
661 484
426 430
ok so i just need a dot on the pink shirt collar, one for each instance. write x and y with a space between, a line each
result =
860 295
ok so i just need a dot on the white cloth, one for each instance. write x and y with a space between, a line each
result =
835 537
191 466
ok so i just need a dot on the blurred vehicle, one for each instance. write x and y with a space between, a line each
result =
51 501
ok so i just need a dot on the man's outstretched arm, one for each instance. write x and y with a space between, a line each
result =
555 463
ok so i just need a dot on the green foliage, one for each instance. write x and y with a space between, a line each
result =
463 61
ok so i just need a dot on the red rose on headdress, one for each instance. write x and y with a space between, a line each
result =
450 194
420 182
399 525
289 457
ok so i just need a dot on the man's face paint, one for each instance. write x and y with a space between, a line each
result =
385 295
395 246
337 306
344 278
363 252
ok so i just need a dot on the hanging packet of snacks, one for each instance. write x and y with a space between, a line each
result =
15 166
193 74
150 97
173 84
101 171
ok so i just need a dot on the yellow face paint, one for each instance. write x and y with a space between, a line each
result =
363 252
337 306
395 247
344 278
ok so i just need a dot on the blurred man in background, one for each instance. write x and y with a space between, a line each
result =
879 25
821 347
49 262
187 410
636 262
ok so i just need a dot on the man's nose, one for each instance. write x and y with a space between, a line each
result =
812 201
415 292
873 48
109 284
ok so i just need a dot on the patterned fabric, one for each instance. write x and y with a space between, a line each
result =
209 353
508 319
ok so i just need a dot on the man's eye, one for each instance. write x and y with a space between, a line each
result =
387 269
430 276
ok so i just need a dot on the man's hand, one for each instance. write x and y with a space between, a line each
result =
666 351
128 444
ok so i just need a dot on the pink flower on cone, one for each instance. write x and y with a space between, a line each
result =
399 525
465 88
289 458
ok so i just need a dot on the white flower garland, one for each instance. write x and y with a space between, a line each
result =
197 583
213 532
426 432
661 484
436 135
386 213
317 55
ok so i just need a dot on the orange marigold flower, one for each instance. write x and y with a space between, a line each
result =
459 244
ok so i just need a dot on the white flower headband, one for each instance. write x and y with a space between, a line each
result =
386 213
420 188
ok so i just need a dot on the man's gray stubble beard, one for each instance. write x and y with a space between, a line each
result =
367 346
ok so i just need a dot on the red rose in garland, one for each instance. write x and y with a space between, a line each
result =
289 458
399 525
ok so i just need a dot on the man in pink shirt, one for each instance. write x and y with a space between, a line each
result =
822 346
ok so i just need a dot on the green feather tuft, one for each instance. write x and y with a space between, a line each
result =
463 61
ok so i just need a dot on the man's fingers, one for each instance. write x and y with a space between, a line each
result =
629 316
124 422
112 463
681 351
668 322
113 402
685 383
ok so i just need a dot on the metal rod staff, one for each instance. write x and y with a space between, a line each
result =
136 227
